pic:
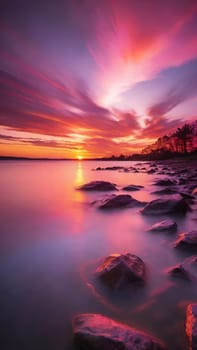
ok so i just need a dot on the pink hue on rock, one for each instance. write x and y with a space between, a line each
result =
98 186
97 332
176 205
187 240
194 192
191 325
120 270
119 201
168 226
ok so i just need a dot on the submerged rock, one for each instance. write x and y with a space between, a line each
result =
132 188
187 240
121 270
176 205
180 272
98 186
168 226
165 182
191 325
97 332
119 201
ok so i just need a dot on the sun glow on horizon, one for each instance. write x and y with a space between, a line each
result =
80 157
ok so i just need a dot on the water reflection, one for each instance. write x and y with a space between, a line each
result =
79 197
79 178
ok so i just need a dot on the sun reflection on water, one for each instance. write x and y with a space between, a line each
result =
79 178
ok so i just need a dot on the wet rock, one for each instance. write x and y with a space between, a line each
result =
183 181
194 192
165 182
179 271
187 240
114 168
188 197
110 168
190 264
132 188
191 325
176 205
97 332
166 191
125 170
168 226
98 186
119 201
121 270
151 171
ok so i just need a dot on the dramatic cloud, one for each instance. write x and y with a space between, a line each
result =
185 87
94 77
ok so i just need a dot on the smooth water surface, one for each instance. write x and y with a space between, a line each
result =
49 234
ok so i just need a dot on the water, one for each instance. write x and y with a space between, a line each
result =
50 236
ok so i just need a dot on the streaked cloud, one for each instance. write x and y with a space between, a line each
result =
103 77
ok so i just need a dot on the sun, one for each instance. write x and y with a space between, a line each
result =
79 157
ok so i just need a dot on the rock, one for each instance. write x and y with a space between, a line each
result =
98 186
119 201
194 192
168 226
132 188
183 181
125 170
97 332
191 325
187 240
188 197
166 191
151 171
121 270
190 264
180 272
110 168
114 168
165 182
193 260
176 205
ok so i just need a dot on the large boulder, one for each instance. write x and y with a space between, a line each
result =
121 270
132 188
97 332
175 205
119 201
168 226
191 325
187 240
98 186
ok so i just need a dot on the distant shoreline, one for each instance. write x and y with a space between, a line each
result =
136 157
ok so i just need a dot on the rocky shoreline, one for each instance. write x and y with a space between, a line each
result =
177 191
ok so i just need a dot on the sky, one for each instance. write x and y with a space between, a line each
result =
89 78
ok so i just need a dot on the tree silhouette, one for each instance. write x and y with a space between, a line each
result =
184 134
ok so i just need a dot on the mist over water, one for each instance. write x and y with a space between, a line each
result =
51 235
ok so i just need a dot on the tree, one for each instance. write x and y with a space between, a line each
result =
184 134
